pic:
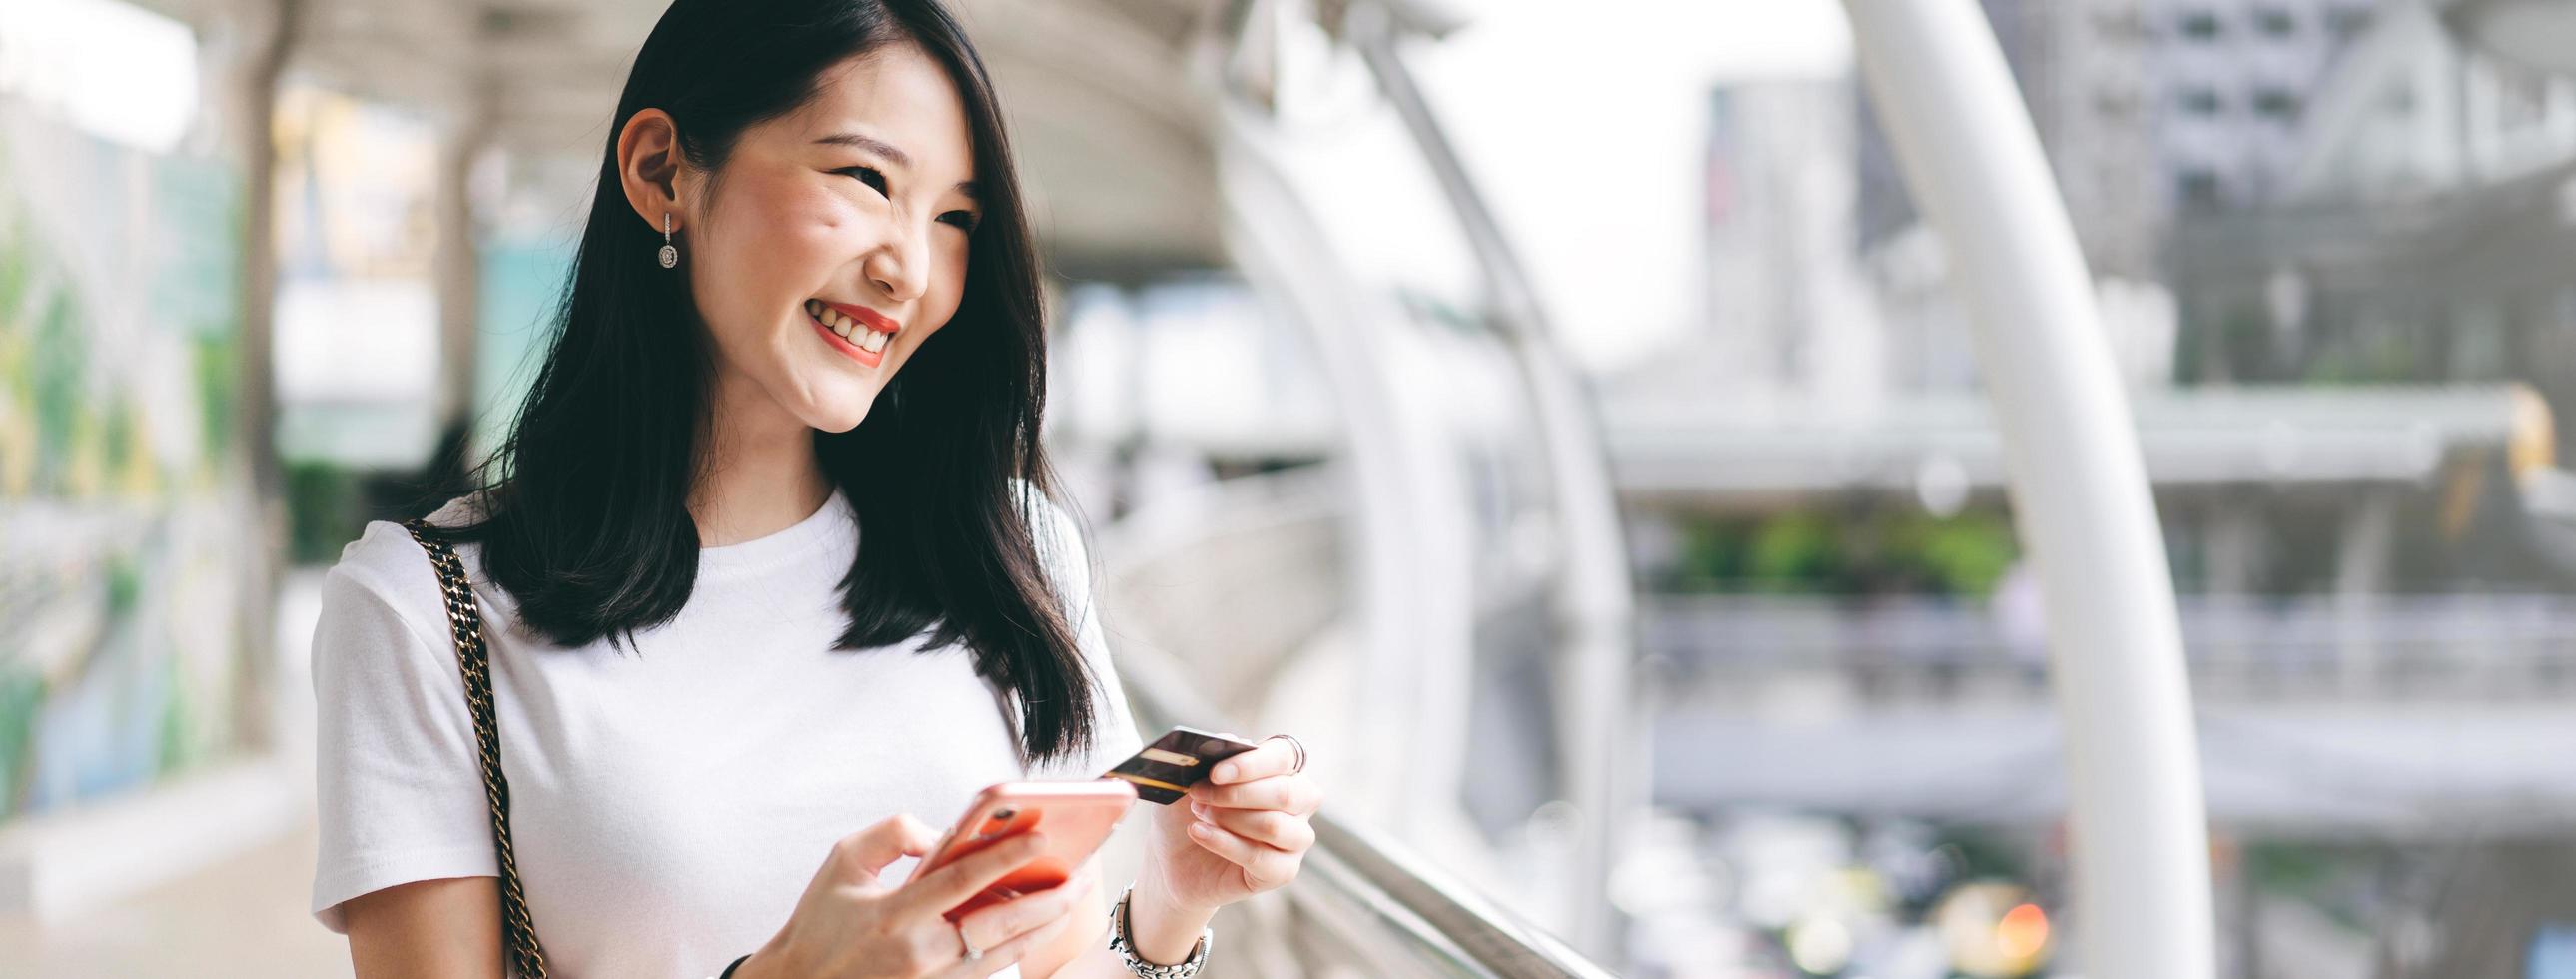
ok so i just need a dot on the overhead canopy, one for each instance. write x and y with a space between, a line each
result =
2538 33
1104 112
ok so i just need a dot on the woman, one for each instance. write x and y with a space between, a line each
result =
770 559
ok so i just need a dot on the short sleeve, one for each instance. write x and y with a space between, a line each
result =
1068 565
399 795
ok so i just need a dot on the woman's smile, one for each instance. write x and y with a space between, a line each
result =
862 337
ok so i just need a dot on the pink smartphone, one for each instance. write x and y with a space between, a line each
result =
1075 816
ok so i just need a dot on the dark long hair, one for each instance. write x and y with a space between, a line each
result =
585 520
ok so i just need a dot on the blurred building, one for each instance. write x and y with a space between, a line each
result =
2148 107
1787 312
2232 83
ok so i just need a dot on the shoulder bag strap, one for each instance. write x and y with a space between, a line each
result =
518 933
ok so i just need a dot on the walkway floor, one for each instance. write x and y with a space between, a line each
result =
242 917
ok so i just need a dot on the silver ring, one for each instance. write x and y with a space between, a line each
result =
971 953
1300 748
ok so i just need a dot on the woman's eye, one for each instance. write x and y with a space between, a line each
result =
871 177
866 175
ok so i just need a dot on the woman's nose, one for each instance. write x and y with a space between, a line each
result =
900 268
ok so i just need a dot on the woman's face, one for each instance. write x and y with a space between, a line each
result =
834 242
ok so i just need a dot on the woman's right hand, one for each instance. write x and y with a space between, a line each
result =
850 925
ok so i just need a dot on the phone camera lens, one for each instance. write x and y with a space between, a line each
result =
1004 815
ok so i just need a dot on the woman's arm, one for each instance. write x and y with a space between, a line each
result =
1244 831
1081 950
445 927
1166 939
1085 926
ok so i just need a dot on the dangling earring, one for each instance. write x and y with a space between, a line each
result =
670 252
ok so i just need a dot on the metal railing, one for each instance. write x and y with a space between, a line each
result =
1392 913
2379 648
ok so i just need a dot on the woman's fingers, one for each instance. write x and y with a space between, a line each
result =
1273 757
1269 827
993 926
858 857
1004 932
950 886
1264 866
1293 794
994 959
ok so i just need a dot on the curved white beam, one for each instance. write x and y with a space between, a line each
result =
1600 729
1973 161
1412 538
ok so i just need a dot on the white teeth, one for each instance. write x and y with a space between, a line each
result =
863 337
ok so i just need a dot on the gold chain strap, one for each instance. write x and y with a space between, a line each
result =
518 932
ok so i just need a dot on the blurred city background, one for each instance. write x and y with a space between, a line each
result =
1563 415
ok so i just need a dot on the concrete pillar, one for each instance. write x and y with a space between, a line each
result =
271 31
2362 564
455 263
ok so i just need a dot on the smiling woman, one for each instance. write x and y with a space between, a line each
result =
804 316
839 224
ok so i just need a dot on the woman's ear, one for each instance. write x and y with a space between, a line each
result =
649 164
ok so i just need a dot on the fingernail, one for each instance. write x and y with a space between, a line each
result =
1198 809
1202 830
1226 772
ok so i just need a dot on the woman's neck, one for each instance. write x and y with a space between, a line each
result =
763 476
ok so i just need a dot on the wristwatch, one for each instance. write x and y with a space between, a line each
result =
1122 941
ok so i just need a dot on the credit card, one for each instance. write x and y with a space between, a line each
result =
1179 759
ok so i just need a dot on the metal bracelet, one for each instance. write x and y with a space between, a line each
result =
1122 941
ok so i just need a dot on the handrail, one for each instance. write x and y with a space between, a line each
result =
1594 598
1355 878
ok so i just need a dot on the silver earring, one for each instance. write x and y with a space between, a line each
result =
670 252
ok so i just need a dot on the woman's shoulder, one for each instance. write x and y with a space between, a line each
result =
389 562
383 635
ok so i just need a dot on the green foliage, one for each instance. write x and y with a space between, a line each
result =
2377 359
124 585
1966 555
178 750
2283 866
17 271
22 693
59 365
218 381
1792 550
1869 551
325 508
118 442
1978 853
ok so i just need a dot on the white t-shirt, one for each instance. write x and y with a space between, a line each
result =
669 805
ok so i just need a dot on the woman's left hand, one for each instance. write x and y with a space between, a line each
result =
1242 831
